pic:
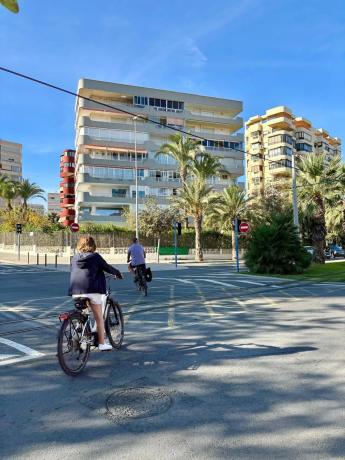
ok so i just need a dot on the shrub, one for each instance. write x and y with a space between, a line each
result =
275 247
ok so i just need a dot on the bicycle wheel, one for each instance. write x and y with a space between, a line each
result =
72 351
114 325
144 286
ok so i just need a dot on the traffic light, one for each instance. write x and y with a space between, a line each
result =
179 228
18 228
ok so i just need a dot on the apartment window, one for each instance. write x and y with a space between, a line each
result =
141 194
256 134
85 211
257 169
15 169
118 192
303 135
108 212
166 104
69 165
221 144
280 138
140 100
257 180
281 164
279 151
256 145
303 147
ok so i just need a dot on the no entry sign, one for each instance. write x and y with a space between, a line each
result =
74 227
244 227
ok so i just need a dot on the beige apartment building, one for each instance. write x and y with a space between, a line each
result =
108 141
272 139
10 162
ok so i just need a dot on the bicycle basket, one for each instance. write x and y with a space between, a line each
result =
81 303
148 274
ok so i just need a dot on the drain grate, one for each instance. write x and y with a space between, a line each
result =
136 403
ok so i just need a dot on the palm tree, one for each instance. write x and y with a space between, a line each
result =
194 199
9 191
29 190
183 151
225 208
320 183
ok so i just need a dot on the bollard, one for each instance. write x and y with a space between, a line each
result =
45 260
28 258
56 260
38 259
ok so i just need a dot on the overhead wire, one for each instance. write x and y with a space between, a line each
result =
127 112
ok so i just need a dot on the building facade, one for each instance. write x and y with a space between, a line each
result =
10 162
54 203
107 141
272 139
67 187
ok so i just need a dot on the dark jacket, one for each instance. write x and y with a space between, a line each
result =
87 275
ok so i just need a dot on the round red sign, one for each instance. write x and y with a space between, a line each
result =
74 227
244 227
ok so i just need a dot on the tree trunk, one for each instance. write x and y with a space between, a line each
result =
233 244
198 249
9 205
158 247
319 232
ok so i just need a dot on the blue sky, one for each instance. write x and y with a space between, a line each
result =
263 52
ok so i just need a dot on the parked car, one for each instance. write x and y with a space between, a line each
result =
310 250
327 254
336 251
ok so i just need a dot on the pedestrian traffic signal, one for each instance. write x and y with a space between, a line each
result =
18 228
179 228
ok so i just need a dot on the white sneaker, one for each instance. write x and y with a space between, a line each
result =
94 328
105 347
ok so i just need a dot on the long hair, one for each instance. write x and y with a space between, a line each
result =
86 244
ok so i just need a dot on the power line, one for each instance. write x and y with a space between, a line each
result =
127 112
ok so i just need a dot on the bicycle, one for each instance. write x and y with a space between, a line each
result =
75 338
140 279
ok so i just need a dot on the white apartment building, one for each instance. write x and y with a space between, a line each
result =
106 138
54 203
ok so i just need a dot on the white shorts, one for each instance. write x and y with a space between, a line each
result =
97 299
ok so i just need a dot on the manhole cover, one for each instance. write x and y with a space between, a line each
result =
137 403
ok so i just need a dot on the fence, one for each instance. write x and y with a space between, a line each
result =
62 242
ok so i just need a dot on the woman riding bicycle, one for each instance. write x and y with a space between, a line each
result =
87 280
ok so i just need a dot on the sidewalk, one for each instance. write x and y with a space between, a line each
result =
63 263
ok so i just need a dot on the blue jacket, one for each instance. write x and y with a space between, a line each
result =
87 274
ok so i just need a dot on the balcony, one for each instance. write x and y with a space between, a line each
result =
66 171
67 201
86 198
102 219
284 123
67 212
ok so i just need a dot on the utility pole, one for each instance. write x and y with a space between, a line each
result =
175 242
136 177
236 245
294 192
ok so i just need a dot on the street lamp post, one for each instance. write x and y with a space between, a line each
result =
136 177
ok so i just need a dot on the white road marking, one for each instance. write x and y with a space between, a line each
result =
29 352
250 282
219 282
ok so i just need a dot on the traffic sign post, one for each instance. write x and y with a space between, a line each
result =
74 227
18 232
244 227
236 245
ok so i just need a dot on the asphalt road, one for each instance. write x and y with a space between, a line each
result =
214 365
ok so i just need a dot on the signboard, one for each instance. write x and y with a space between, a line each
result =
244 227
74 227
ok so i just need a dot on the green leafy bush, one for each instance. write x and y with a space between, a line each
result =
275 247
